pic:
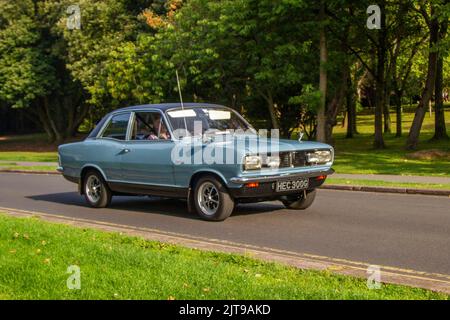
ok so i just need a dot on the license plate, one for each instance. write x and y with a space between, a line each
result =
290 185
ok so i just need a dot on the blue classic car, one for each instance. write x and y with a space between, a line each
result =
205 153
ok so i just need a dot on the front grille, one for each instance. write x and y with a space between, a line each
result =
299 159
285 160
293 159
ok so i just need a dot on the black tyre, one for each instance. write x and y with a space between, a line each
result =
96 191
212 200
300 202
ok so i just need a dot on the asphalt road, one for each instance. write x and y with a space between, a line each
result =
406 231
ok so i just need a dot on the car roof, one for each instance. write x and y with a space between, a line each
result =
166 106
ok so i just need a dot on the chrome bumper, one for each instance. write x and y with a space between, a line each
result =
281 176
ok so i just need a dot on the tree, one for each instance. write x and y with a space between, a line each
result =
369 47
238 53
55 72
432 22
321 117
401 69
407 41
440 131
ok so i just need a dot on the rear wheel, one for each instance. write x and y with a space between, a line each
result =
212 200
96 191
300 202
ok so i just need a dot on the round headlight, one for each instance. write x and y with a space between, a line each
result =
319 157
252 162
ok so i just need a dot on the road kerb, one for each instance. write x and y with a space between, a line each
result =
431 281
430 192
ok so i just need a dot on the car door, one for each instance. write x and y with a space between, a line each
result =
147 157
107 150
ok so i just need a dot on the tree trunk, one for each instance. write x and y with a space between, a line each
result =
43 121
414 132
440 131
380 85
335 106
270 106
59 138
273 115
351 109
321 112
386 113
398 111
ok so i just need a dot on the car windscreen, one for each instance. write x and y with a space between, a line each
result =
206 119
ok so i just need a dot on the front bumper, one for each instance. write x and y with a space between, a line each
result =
265 190
281 176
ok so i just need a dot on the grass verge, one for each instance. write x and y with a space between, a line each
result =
36 254
29 156
380 183
357 155
27 168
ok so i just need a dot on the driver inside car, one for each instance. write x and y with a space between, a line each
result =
149 126
159 129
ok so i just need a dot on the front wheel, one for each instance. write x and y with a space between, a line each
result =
212 200
301 202
96 191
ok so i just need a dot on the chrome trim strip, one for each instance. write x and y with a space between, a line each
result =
275 177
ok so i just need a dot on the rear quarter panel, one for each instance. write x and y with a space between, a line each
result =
98 153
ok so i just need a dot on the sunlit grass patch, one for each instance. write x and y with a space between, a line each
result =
35 256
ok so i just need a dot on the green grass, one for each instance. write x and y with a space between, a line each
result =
36 254
358 156
27 168
380 183
29 156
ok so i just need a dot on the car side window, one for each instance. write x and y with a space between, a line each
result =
149 126
117 127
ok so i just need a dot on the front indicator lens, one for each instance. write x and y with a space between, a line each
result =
321 156
252 185
252 162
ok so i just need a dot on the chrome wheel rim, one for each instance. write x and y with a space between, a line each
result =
93 189
208 198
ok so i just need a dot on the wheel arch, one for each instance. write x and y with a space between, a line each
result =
83 172
200 173
194 178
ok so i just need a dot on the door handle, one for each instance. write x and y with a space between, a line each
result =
126 150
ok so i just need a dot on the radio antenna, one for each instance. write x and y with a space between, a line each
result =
181 99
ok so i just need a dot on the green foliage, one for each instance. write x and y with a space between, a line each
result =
258 56
26 69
